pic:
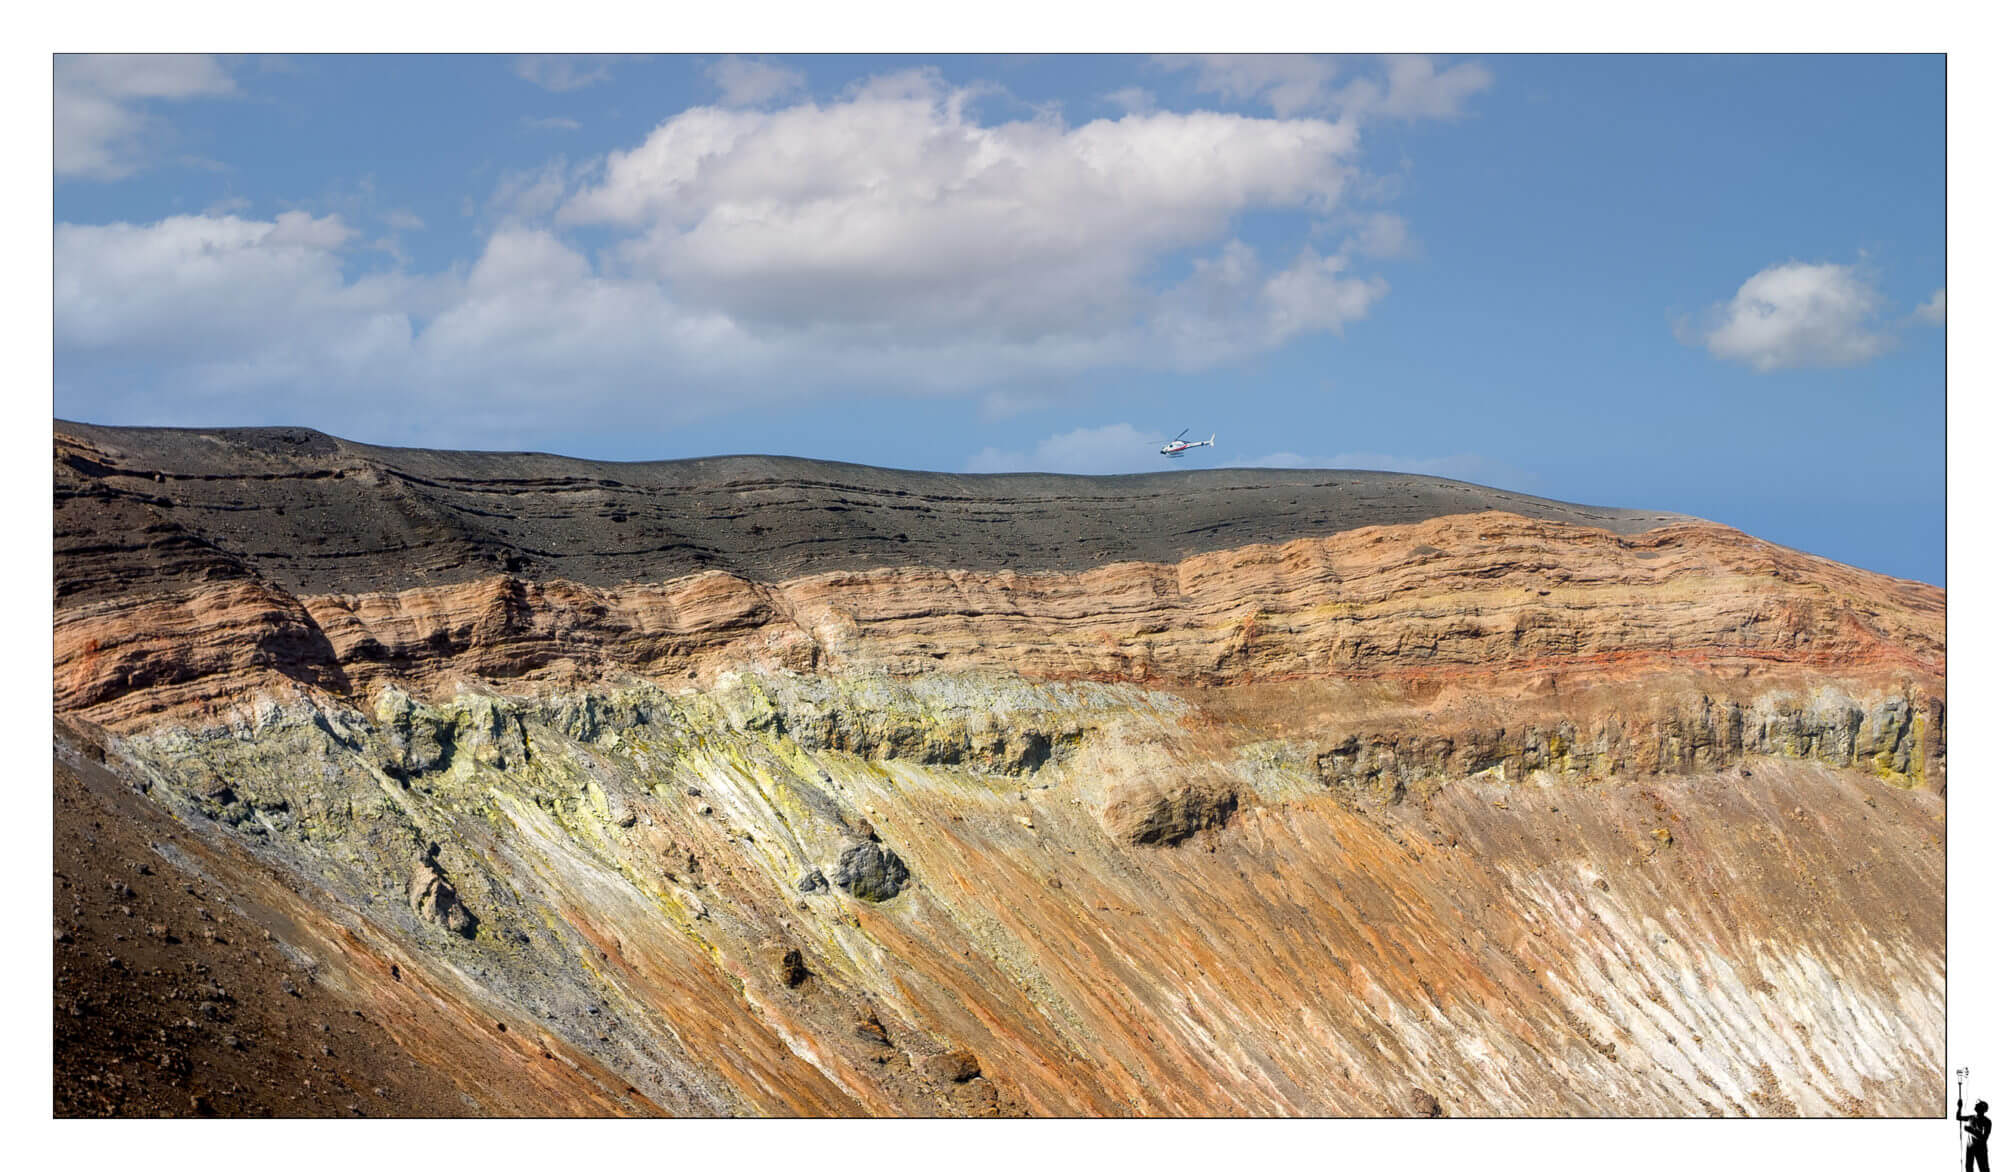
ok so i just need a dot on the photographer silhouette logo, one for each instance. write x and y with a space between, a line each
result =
1978 1126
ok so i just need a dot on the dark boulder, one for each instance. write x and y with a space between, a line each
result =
871 871
792 968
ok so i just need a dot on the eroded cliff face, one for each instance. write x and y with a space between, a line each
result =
1512 595
1542 810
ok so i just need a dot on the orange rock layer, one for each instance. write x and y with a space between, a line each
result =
1487 597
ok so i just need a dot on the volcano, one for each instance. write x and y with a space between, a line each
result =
399 782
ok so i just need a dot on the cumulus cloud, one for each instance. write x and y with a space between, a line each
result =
231 311
158 271
1796 315
745 81
884 242
1314 295
266 319
896 213
1292 84
225 303
1932 311
552 123
103 129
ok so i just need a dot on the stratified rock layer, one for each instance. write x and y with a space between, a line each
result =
1511 596
758 786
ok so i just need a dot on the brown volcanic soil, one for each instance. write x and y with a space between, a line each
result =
315 514
189 980
171 1002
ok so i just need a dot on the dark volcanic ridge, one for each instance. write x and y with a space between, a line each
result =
317 514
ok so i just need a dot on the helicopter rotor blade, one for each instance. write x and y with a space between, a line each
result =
1184 431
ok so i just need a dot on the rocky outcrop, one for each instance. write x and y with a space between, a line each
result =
432 896
1497 597
1892 737
958 1065
868 870
171 606
792 968
1146 813
416 745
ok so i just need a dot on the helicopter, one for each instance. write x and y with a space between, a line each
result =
1178 447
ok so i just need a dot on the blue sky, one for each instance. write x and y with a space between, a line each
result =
1707 284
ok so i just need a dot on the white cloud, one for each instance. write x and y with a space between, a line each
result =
1087 451
404 221
1414 88
562 72
886 242
102 129
262 316
894 214
551 123
531 195
748 82
1133 100
1313 296
1932 311
1382 235
1794 315
261 319
209 290
1291 84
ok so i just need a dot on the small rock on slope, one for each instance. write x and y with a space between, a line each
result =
959 1065
871 871
434 898
1145 814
